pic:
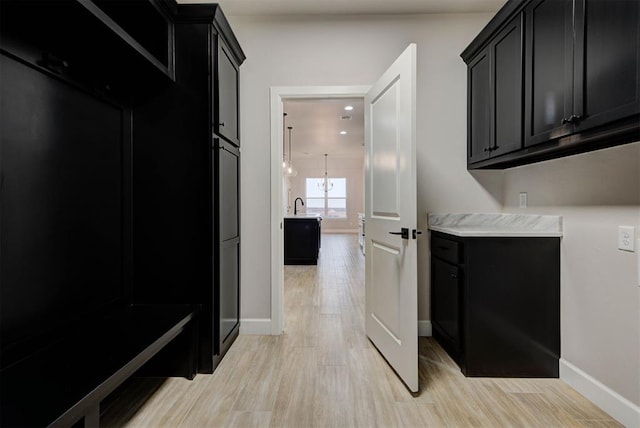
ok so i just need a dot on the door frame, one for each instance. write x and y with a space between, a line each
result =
278 94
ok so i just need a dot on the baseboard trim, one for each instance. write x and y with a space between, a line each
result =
260 326
424 328
623 410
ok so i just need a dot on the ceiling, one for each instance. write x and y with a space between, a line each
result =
356 7
316 126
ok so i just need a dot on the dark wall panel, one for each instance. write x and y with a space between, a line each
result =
61 208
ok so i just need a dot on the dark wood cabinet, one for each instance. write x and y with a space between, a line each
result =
580 81
479 107
495 303
507 59
549 64
445 314
495 96
606 62
227 240
226 82
186 186
106 261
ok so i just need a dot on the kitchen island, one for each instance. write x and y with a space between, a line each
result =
302 239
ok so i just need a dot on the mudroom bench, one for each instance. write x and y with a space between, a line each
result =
64 382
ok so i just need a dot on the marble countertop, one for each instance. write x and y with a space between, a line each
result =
487 224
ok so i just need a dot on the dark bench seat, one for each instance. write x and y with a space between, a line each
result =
66 381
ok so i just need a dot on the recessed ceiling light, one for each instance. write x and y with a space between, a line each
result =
348 108
343 132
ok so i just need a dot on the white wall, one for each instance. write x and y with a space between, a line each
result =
349 168
594 192
356 50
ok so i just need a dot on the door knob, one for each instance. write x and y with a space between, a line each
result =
404 233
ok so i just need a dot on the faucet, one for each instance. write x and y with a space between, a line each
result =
295 205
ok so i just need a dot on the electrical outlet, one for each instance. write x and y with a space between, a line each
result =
523 200
626 238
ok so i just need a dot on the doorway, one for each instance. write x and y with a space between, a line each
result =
279 96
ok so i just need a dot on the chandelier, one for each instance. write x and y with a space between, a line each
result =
326 185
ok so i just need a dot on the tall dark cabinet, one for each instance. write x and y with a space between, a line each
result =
186 157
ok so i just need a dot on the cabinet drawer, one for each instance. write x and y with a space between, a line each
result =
446 249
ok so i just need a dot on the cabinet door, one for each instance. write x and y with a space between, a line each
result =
227 200
226 84
479 108
548 70
506 59
607 61
446 302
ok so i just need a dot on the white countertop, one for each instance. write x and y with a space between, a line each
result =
304 215
499 225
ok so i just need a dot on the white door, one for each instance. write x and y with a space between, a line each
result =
390 199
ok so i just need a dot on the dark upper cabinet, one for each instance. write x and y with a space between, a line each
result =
606 62
564 79
506 51
549 62
226 80
479 108
573 85
495 96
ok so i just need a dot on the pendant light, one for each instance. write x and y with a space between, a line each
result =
291 171
284 154
326 185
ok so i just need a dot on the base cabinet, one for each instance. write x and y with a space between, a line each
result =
496 303
301 241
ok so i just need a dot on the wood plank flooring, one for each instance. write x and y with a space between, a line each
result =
323 372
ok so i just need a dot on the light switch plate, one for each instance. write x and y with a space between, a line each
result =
522 201
626 238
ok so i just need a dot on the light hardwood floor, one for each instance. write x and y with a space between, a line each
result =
323 372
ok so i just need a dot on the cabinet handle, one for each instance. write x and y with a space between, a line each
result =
221 124
454 276
572 119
